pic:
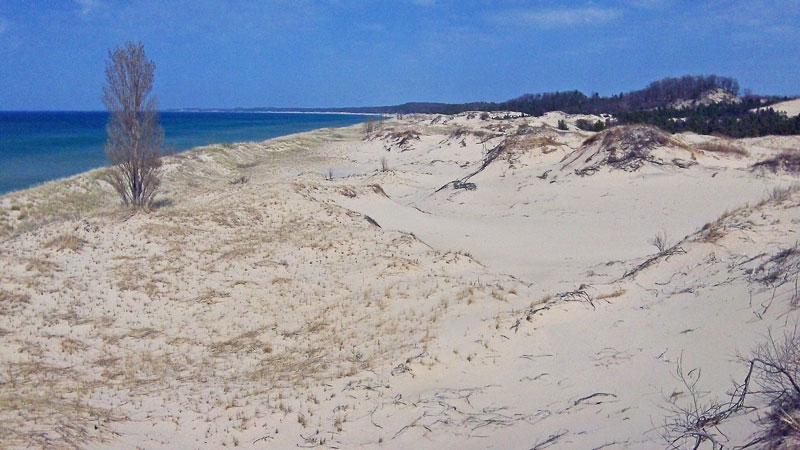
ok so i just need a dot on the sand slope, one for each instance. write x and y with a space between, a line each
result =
486 291
790 107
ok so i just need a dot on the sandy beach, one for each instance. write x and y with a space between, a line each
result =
443 282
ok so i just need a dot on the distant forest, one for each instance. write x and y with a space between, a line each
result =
651 105
730 119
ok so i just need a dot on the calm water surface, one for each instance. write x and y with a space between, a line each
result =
41 146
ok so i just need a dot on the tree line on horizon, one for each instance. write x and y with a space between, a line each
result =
653 105
746 119
751 117
657 94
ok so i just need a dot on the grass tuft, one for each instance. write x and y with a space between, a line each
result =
66 241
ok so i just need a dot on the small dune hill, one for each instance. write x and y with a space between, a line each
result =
527 146
707 98
412 134
462 136
629 148
524 147
790 107
401 140
528 149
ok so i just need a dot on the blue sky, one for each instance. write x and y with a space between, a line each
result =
227 53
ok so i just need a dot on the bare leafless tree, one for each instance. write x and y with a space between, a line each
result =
134 134
369 128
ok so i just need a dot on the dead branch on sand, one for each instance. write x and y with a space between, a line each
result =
774 368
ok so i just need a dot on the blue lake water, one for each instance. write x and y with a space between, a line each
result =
41 146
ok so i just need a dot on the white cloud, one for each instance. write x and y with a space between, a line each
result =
561 17
87 5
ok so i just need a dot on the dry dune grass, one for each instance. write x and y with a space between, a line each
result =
189 173
46 409
218 299
741 218
516 149
11 301
54 201
66 241
613 294
724 147
544 143
787 161
403 139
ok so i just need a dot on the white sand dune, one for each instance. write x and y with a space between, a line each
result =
790 107
486 291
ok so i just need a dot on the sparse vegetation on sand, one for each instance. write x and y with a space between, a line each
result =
370 127
66 241
629 148
788 161
772 379
724 147
304 291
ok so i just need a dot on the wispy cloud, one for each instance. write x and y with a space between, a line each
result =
649 4
559 17
87 5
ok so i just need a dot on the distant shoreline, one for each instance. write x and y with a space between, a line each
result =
343 113
95 111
